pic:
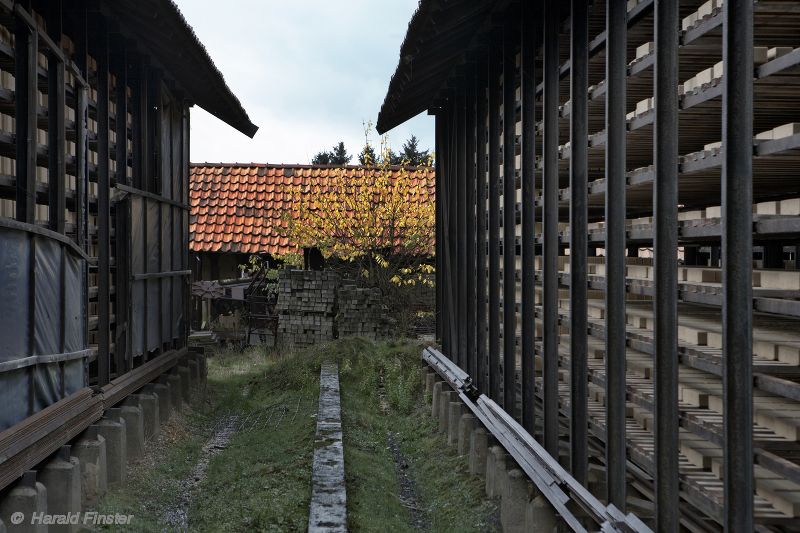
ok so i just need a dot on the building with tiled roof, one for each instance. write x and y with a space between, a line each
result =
240 209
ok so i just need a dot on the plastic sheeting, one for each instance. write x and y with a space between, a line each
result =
43 344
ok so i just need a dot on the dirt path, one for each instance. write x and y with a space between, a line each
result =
177 516
408 488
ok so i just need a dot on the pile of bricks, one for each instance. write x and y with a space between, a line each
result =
306 306
360 312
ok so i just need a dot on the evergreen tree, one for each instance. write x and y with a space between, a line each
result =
339 155
368 156
411 153
322 158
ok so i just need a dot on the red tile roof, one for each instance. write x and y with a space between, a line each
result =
239 207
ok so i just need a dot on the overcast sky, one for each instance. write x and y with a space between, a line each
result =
308 72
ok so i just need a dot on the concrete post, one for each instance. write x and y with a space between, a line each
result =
61 476
163 399
540 515
514 505
186 383
430 381
447 396
456 409
435 397
174 382
465 426
134 430
148 403
112 428
90 449
27 497
194 373
478 450
496 471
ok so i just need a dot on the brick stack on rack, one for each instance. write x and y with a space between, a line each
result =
306 307
360 312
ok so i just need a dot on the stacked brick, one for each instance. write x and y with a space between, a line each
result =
360 312
306 307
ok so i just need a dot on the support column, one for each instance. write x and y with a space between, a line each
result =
494 58
528 175
470 267
26 50
510 38
616 127
56 133
737 244
481 222
550 192
665 245
578 245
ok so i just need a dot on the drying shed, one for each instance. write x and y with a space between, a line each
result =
618 218
94 223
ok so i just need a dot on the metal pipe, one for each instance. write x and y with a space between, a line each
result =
550 226
616 127
528 175
665 275
578 246
737 255
510 38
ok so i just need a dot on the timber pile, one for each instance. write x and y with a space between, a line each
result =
305 307
360 312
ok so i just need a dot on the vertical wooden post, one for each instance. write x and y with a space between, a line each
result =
100 53
550 226
26 97
578 245
616 129
56 134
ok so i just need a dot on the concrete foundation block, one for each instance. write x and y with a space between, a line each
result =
514 505
112 428
478 450
447 396
540 516
456 409
3 527
151 421
173 380
61 476
134 424
27 497
186 383
90 449
465 426
435 397
163 398
496 471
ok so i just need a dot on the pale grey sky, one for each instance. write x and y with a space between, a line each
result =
308 72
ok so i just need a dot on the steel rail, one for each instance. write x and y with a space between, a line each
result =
550 478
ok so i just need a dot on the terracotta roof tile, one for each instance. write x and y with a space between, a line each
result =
240 207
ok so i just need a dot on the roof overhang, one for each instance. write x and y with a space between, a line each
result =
158 27
439 35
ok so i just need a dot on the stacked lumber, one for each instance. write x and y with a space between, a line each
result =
305 307
360 312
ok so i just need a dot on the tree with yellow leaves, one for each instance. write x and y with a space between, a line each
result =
377 223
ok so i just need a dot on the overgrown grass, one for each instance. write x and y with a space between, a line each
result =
262 480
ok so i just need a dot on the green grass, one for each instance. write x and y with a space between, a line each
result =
262 480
